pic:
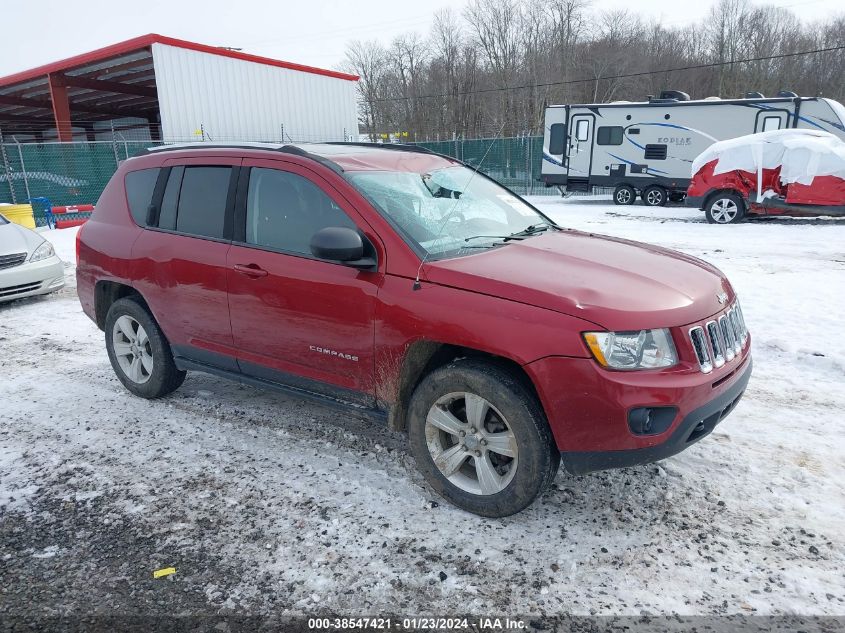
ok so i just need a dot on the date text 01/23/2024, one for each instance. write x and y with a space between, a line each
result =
421 623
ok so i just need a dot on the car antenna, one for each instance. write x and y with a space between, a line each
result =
417 284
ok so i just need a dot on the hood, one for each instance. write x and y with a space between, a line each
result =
18 239
615 283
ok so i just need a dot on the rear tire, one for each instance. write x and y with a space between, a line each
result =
480 439
624 195
654 196
139 353
725 208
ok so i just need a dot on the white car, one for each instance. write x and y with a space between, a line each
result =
28 263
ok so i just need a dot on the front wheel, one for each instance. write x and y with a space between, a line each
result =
725 208
480 438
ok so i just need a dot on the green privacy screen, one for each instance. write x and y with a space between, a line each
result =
76 173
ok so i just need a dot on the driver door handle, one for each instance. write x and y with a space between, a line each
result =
250 270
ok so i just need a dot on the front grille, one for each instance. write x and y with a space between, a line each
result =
20 289
719 341
15 259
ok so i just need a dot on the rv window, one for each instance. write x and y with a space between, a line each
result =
557 138
771 123
582 130
609 135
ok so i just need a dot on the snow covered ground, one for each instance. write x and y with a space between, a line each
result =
266 504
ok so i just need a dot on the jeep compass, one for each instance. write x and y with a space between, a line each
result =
410 288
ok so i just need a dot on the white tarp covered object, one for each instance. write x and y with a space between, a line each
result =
801 154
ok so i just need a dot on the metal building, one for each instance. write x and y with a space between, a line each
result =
160 88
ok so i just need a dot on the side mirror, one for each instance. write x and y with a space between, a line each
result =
343 245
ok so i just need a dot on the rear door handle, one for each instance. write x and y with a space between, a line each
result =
250 270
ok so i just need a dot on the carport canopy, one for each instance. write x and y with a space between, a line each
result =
115 82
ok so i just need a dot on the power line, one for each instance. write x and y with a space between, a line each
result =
623 76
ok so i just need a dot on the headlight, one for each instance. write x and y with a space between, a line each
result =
645 349
44 250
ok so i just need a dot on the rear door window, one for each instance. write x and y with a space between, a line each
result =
195 200
202 201
140 186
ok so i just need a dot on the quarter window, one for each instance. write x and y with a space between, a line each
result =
609 135
140 186
284 210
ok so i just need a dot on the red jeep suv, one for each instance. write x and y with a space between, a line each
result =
405 286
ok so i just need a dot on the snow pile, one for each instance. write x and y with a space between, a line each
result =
801 154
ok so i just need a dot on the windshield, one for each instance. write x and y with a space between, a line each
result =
448 212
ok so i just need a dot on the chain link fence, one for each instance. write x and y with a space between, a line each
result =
76 173
64 173
515 162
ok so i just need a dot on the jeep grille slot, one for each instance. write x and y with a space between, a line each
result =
716 343
728 336
733 320
699 344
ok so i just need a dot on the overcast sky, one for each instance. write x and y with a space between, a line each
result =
311 32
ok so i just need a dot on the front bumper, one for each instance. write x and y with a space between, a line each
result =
30 279
696 425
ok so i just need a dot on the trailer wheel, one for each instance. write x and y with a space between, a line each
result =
624 194
654 196
677 196
725 208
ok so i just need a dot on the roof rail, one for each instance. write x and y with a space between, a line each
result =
270 147
407 147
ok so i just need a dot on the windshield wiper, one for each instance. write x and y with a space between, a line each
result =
532 229
528 231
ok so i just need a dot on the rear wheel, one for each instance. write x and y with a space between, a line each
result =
654 196
480 438
725 208
624 194
138 351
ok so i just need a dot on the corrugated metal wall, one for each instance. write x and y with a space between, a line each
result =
233 99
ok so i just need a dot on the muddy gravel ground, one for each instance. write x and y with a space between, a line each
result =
268 505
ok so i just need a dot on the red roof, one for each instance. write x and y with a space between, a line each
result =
146 41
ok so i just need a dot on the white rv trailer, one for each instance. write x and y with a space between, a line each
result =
647 148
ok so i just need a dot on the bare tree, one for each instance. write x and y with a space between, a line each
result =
498 64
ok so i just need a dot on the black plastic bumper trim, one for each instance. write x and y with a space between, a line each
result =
695 426
694 201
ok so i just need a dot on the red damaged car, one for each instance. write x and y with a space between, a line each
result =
406 287
782 172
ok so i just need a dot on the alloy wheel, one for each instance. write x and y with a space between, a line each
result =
471 443
724 210
654 197
132 349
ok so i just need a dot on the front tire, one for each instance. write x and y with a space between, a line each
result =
725 208
139 353
624 195
480 438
